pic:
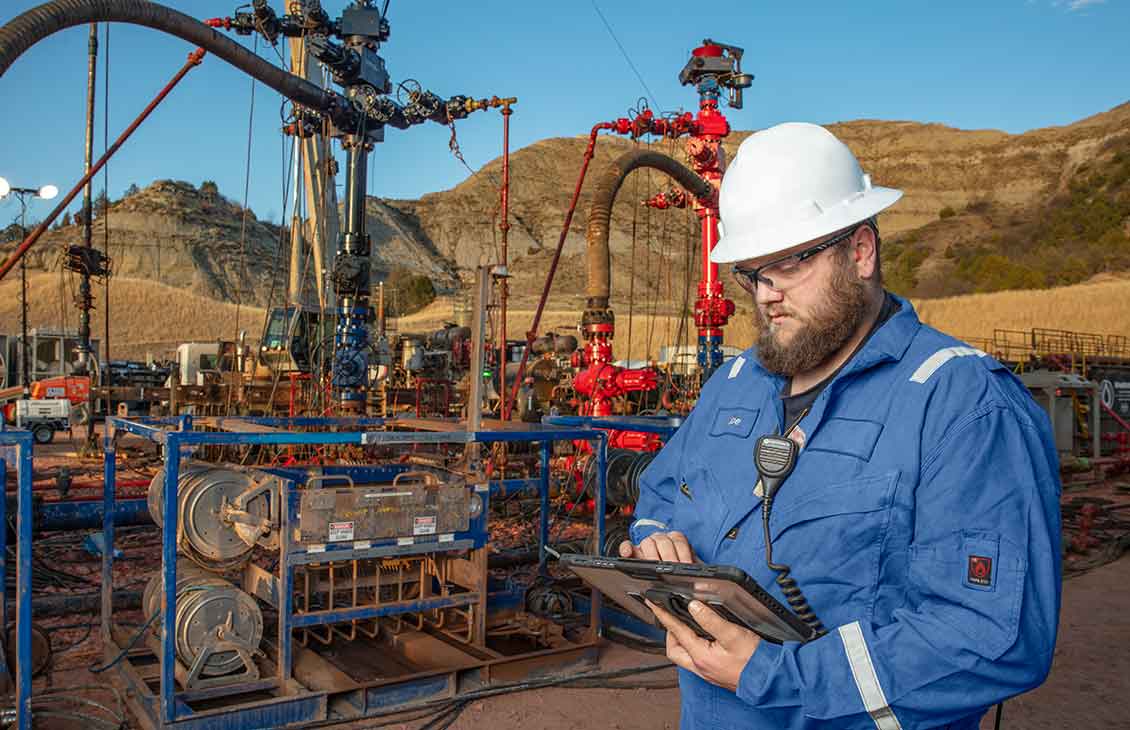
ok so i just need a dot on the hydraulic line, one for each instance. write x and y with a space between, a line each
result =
27 29
600 213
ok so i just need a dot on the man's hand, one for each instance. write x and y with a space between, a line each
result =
720 661
671 547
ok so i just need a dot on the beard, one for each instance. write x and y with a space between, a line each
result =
821 333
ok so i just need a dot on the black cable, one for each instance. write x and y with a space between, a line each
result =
74 644
446 719
128 648
788 585
84 720
1000 711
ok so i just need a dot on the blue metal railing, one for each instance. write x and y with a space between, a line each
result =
176 435
16 446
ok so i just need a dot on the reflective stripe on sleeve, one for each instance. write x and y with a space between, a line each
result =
866 681
940 358
649 523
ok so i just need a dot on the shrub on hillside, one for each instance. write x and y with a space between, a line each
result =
946 212
407 292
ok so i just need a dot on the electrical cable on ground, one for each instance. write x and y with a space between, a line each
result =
128 647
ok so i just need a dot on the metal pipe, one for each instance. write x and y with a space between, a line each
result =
352 287
503 282
87 356
194 59
89 514
532 332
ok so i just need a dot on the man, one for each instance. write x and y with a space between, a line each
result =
921 522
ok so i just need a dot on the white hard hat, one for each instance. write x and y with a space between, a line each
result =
790 184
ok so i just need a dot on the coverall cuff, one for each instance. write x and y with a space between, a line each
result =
642 528
766 680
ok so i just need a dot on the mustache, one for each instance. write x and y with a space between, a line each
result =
776 310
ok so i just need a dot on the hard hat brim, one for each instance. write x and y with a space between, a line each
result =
766 241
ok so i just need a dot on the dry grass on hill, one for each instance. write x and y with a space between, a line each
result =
1101 306
145 317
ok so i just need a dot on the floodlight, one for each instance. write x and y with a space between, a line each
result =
5 188
47 192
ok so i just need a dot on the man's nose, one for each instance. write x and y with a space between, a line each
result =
766 294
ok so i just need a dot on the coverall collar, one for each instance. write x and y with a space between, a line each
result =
888 343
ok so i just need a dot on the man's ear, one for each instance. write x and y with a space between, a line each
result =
865 252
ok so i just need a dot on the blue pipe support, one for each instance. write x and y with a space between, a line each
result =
321 618
21 442
169 572
602 486
664 426
109 482
5 670
543 518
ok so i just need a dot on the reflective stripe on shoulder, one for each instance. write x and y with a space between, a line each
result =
866 681
940 358
649 523
736 367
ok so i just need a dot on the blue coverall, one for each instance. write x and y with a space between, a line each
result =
922 523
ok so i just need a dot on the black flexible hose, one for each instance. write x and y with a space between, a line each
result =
25 30
600 212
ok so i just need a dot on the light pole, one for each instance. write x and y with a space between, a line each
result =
47 192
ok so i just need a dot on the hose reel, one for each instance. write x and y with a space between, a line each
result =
622 475
223 514
218 626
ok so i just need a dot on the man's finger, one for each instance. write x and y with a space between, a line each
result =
647 549
666 548
678 654
722 630
683 551
627 549
683 633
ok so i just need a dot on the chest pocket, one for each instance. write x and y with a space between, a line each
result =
832 538
737 422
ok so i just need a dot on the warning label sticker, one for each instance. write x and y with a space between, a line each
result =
424 525
340 531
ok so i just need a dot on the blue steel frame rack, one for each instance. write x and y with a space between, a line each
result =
176 435
16 446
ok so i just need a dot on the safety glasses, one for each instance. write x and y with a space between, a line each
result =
788 271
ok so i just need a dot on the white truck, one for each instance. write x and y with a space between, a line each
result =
43 417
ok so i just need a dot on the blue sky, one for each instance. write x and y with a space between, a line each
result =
1005 64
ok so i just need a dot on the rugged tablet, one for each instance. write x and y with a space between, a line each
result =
728 590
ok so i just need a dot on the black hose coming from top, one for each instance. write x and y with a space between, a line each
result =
27 29
600 213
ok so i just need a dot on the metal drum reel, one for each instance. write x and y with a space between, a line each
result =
223 514
218 626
